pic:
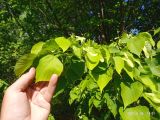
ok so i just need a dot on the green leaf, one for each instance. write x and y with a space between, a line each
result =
119 64
124 38
156 31
129 70
63 43
37 48
77 51
131 93
92 58
128 60
72 73
153 99
111 104
135 113
91 65
92 55
107 54
76 92
47 66
148 82
51 117
103 79
50 45
136 44
24 63
146 52
154 67
147 36
158 45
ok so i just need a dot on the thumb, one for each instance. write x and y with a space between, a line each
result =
25 80
51 88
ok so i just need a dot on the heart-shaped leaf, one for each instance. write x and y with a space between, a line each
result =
103 79
136 44
63 43
47 66
131 93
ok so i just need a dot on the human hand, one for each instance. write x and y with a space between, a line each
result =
26 101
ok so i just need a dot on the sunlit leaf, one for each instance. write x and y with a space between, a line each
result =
124 38
146 52
131 93
37 48
63 43
135 113
119 64
103 79
50 45
147 36
154 67
92 55
148 82
129 70
153 99
77 51
136 44
158 45
47 66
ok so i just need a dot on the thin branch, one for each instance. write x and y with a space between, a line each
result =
56 18
102 26
122 15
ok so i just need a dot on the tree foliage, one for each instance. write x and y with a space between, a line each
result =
117 77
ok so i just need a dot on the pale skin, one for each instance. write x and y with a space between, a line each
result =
24 100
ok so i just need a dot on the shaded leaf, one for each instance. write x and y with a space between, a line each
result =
24 63
72 73
156 31
111 104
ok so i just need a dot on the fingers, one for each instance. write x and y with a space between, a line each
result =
25 80
51 88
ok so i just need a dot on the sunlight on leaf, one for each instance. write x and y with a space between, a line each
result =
47 66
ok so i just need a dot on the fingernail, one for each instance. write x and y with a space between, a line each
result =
54 75
32 69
